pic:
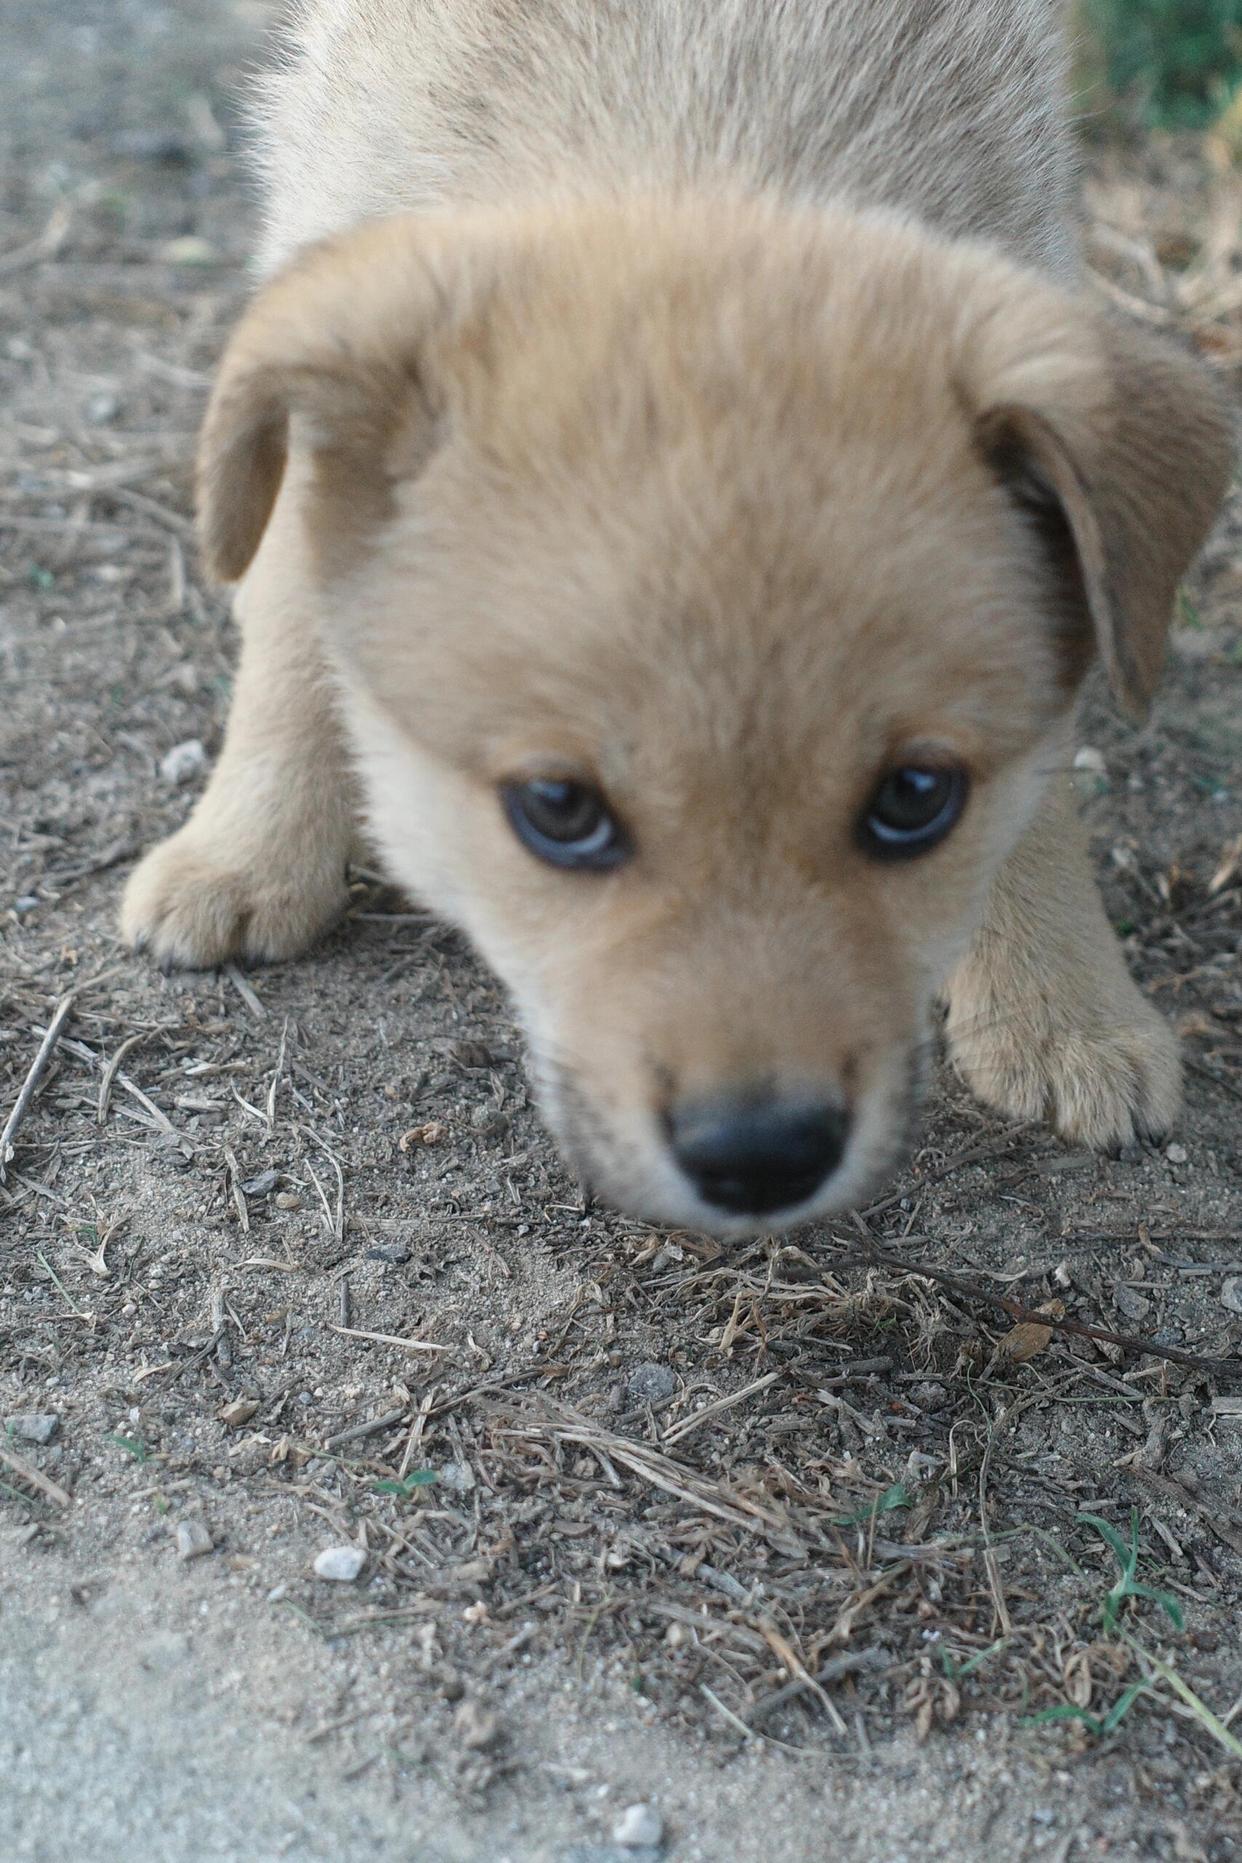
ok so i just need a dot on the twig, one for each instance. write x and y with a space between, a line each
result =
365 1429
679 1430
113 1067
30 1085
416 1434
246 992
36 1480
392 1339
1022 1315
45 245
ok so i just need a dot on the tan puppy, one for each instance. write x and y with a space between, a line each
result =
681 542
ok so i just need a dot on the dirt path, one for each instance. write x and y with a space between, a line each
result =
236 1200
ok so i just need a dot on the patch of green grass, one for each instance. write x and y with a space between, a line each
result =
958 1671
1168 64
1099 1725
420 1478
896 1496
132 1445
1128 1585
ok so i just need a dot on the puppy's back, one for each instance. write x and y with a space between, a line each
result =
950 108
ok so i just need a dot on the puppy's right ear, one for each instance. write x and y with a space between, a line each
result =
339 353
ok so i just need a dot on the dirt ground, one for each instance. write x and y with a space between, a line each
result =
801 1547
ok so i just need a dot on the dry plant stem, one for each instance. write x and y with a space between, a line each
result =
30 1085
1021 1315
36 1480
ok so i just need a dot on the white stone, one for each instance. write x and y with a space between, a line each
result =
193 1539
183 762
640 1827
340 1563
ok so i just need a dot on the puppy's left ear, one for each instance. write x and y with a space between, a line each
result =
1120 447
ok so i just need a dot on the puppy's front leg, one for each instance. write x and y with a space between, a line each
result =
258 871
1044 1020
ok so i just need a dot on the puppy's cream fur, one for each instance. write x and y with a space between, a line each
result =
723 428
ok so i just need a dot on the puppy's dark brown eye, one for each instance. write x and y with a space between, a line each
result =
566 823
912 810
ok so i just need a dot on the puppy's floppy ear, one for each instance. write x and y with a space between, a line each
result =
340 347
1119 445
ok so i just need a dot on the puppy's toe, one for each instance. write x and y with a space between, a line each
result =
190 907
1109 1085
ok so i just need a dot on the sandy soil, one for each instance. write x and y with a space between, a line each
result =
290 1265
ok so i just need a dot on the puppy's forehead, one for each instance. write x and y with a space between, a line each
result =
704 514
703 609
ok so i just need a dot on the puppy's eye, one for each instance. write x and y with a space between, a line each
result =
565 823
912 810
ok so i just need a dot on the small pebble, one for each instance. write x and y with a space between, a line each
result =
1176 1154
640 1827
395 1252
457 1475
342 1564
102 408
1231 1293
32 1428
261 1186
1089 758
193 1539
651 1384
238 1412
1131 1304
189 249
183 762
477 1727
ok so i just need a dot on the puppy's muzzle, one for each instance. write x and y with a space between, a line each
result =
749 1156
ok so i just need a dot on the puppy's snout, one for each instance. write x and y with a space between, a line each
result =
751 1157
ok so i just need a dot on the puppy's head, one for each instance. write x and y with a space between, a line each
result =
708 587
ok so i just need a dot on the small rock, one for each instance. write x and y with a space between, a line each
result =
101 409
288 1200
193 1539
33 1427
342 1564
476 1726
472 1055
1132 1305
183 762
239 1411
1231 1293
261 1186
1089 758
651 1384
189 250
395 1252
1176 1154
640 1827
457 1475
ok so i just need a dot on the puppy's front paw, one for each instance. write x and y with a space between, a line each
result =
194 902
1099 1079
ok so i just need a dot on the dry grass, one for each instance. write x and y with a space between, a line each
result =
847 1494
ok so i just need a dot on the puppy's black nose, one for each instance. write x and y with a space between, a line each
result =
751 1157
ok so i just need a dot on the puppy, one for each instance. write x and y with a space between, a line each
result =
677 488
